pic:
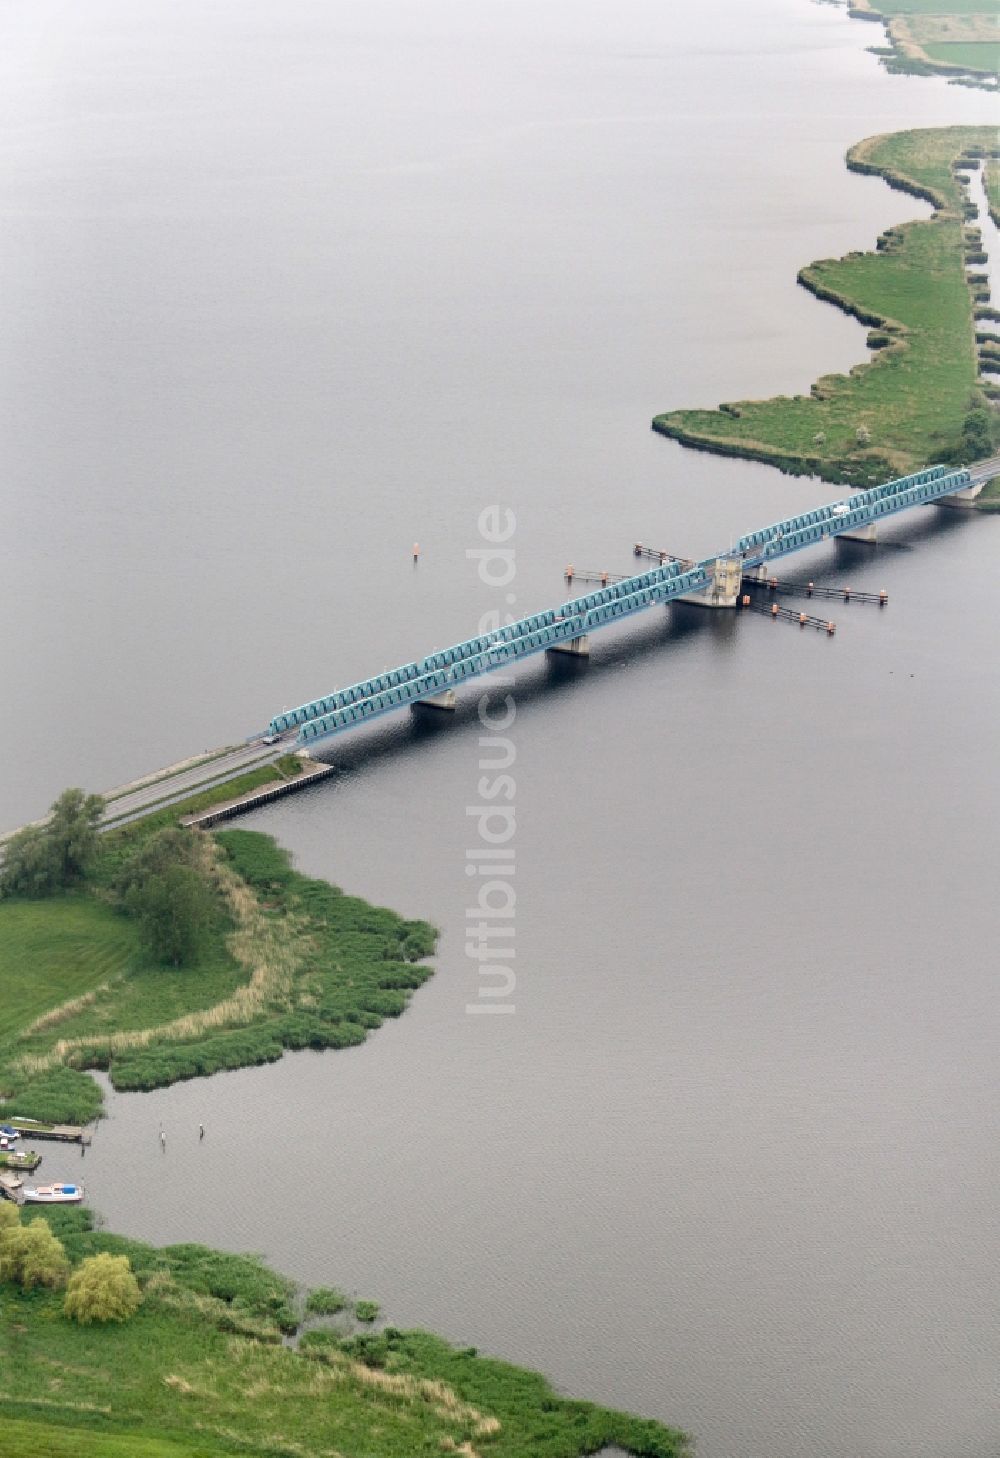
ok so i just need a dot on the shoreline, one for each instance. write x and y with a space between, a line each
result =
225 1355
905 406
288 962
907 50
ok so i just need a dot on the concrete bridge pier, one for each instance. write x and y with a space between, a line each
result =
446 701
961 498
866 533
724 589
575 647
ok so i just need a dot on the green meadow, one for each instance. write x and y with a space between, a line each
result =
53 952
934 7
976 55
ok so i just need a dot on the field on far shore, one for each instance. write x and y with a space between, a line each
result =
930 7
958 39
977 55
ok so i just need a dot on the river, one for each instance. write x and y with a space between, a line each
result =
288 288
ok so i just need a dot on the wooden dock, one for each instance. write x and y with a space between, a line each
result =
656 554
786 615
312 771
65 1133
812 589
591 574
12 1186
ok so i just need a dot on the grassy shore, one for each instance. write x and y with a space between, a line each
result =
201 1369
992 175
289 963
905 406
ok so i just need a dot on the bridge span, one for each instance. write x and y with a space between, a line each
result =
714 582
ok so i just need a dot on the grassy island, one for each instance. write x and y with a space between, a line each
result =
283 961
201 1369
911 403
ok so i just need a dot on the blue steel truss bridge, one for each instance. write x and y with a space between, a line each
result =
715 581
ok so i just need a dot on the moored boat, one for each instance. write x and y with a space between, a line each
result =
53 1194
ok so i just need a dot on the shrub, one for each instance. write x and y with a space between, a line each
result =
325 1301
256 858
31 1255
233 1278
366 1310
418 939
319 1342
102 1288
370 1348
43 859
165 890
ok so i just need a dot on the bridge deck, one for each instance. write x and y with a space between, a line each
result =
347 708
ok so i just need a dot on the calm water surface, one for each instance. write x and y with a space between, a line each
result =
288 288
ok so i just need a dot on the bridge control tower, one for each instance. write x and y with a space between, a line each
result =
723 590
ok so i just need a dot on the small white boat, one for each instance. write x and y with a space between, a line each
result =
53 1194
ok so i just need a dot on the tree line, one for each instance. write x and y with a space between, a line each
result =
158 883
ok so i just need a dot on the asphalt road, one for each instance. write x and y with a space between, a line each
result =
224 766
